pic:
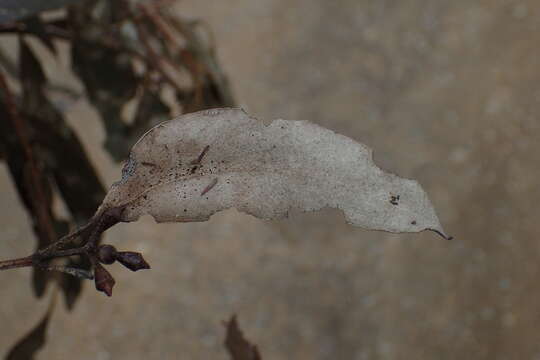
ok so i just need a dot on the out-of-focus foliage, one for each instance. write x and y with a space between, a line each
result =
11 10
122 52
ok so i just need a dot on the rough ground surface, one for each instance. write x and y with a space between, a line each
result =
446 92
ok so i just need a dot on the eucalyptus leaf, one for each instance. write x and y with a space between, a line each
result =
198 164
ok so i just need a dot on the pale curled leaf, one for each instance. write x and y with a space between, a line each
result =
263 170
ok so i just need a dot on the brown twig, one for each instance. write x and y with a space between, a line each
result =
90 248
16 263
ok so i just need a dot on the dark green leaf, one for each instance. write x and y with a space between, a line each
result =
60 148
40 279
32 78
26 348
110 82
64 159
35 26
106 72
18 164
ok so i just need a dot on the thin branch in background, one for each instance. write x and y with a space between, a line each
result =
158 63
16 263
195 69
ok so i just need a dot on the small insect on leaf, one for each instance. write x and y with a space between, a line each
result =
262 170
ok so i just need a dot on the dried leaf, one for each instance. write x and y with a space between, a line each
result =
198 164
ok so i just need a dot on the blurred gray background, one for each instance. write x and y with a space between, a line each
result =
446 92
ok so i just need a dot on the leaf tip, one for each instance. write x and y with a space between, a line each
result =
441 234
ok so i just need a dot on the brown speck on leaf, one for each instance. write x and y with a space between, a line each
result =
209 187
201 156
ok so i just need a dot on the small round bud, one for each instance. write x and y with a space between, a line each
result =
106 254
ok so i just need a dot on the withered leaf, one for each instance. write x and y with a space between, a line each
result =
198 164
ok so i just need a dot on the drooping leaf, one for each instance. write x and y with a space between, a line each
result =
107 73
239 348
198 164
18 169
59 146
27 347
64 162
32 80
